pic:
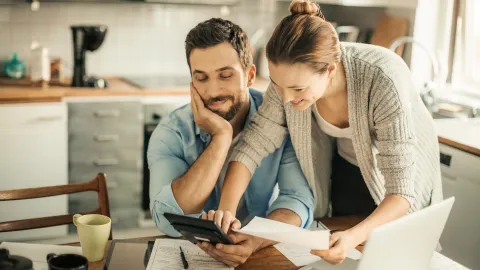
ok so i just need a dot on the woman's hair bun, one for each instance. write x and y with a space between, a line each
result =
305 7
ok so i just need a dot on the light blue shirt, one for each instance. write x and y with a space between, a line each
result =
176 144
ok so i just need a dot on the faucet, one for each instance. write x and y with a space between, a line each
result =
427 93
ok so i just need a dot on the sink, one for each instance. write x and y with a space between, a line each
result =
443 115
456 104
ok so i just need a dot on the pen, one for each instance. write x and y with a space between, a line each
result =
184 260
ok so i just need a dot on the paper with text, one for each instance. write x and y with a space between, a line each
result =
286 233
166 256
37 253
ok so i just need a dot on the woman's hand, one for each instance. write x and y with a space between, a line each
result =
224 219
340 244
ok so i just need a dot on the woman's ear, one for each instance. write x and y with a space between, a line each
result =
252 71
332 70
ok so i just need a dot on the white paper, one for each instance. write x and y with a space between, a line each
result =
301 256
347 264
440 262
166 256
286 233
38 253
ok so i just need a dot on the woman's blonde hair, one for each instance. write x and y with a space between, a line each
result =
304 37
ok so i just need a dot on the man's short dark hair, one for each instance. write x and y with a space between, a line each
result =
216 31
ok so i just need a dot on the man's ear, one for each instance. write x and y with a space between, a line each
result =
251 75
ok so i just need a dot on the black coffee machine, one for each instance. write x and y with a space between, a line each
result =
86 38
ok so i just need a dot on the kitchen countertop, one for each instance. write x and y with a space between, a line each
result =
463 134
22 92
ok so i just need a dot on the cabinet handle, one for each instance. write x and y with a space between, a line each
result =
48 118
106 137
106 162
107 113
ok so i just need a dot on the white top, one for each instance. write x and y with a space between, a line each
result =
343 135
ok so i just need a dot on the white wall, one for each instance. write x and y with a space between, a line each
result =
142 39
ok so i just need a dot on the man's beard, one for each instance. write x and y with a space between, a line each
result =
232 111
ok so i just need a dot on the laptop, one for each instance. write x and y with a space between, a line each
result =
406 243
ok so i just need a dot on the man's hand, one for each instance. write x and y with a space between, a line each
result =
340 244
243 245
207 120
236 254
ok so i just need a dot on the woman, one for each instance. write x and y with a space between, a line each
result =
364 139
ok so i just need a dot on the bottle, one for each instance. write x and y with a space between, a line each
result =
40 64
15 69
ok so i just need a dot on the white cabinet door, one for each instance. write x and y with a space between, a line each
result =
33 153
461 237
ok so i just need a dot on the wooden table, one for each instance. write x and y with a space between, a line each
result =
267 258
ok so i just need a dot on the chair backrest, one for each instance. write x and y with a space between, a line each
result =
98 184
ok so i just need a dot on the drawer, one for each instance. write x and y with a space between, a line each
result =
117 198
104 115
101 142
459 164
124 191
86 127
120 159
81 173
122 186
29 114
105 110
82 202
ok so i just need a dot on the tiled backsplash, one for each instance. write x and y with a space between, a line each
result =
142 39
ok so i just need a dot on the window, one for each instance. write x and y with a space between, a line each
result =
467 52
472 39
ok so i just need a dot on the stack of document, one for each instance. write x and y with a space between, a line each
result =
166 256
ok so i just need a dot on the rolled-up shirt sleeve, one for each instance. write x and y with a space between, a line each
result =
164 202
294 192
166 163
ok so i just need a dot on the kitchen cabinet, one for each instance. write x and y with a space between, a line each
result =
107 136
461 178
33 143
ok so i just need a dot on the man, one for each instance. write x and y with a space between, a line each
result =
188 152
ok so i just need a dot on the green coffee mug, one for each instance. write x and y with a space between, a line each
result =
93 231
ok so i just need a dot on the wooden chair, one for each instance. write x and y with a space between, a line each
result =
97 184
